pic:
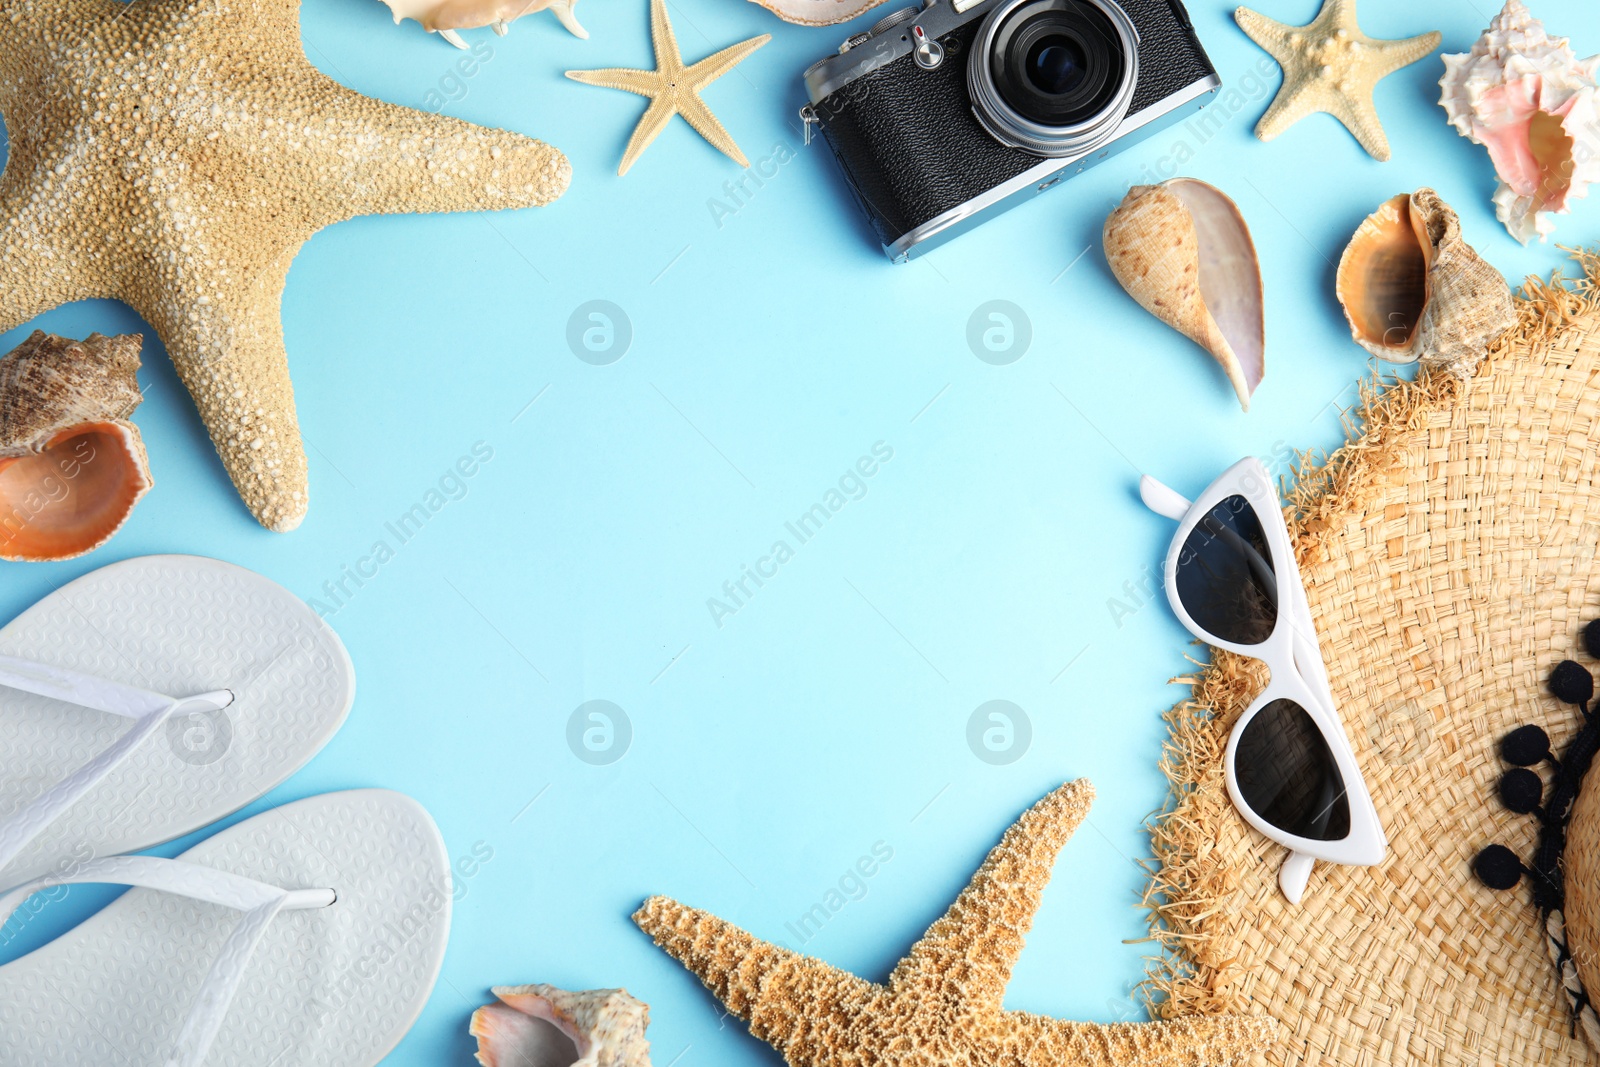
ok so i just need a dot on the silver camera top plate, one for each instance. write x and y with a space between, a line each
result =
828 75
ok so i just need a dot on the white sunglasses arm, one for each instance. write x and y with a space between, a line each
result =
1169 502
1162 500
1294 874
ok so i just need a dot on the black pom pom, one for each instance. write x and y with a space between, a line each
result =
1521 790
1571 683
1591 639
1498 867
1525 746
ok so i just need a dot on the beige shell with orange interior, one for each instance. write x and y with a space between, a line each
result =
71 466
1413 289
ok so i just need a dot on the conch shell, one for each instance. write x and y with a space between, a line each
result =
1412 288
542 1026
71 466
1534 104
445 17
1183 251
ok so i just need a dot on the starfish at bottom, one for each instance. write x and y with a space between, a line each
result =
942 1004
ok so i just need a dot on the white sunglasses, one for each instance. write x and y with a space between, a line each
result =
1289 766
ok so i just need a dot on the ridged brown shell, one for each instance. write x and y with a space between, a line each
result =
72 466
1413 289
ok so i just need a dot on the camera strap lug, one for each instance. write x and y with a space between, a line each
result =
808 115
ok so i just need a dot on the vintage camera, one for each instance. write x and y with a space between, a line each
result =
945 115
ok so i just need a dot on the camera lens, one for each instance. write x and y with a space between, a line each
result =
1054 77
1056 65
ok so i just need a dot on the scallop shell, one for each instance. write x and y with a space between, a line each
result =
445 17
1183 251
1413 289
71 466
1534 104
542 1026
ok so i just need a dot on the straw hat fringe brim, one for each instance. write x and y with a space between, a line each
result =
1451 552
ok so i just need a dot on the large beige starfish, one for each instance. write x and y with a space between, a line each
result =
673 88
175 154
942 1004
1331 66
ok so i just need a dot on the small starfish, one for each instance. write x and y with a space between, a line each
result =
673 88
175 155
942 1004
1331 66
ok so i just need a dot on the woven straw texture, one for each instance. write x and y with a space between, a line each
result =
1581 908
1450 557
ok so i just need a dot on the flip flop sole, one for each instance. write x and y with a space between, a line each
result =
334 986
177 625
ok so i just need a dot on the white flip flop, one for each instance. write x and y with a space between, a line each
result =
308 936
137 641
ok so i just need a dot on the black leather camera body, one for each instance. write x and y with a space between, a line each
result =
944 115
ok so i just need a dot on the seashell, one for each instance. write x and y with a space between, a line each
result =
818 12
71 466
445 17
1413 289
1183 251
1534 104
542 1026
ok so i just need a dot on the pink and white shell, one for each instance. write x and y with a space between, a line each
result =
1534 104
542 1026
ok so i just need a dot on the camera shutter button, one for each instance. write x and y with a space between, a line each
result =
928 52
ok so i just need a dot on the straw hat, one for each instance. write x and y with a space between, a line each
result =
1451 552
1583 901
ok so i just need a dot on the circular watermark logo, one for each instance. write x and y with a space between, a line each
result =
200 737
599 732
999 332
599 332
999 732
1401 734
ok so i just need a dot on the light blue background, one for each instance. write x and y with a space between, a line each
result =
768 353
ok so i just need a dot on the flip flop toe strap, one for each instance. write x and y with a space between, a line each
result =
148 710
258 902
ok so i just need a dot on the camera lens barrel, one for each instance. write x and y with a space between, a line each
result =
1054 77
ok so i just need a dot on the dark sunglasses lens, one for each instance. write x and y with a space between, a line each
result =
1287 776
1225 575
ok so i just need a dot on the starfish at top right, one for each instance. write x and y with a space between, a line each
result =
1331 66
